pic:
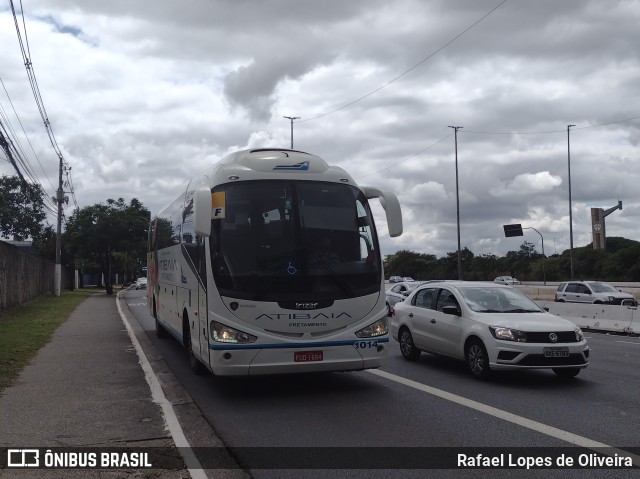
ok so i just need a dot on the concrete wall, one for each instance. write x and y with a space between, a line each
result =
24 276
601 317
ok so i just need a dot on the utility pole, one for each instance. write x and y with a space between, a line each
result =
544 275
291 118
57 275
570 209
455 129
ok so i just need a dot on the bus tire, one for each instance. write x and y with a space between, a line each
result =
160 331
195 364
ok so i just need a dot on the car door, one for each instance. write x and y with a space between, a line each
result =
577 293
420 318
446 329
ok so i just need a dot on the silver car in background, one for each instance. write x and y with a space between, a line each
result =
592 292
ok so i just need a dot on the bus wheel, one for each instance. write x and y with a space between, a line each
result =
160 331
195 364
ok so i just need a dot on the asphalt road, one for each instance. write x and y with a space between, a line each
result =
443 408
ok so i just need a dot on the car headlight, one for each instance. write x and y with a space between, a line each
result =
379 328
226 334
579 334
612 298
508 334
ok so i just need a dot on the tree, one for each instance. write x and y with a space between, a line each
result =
96 234
21 208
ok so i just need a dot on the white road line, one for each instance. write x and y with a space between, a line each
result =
513 418
628 342
170 417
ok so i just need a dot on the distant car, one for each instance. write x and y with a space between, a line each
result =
592 292
506 280
408 278
489 326
141 283
400 291
395 279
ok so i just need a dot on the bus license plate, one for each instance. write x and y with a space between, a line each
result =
556 352
307 356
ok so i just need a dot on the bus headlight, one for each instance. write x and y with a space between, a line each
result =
379 328
226 334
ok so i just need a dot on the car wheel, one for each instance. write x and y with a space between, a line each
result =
566 372
477 359
407 348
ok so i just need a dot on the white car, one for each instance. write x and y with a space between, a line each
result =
506 280
141 283
399 291
489 326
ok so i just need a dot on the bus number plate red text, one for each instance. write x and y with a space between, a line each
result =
307 356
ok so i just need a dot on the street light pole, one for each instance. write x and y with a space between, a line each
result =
455 129
291 118
544 276
570 209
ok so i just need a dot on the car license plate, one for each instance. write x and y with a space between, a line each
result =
307 356
556 352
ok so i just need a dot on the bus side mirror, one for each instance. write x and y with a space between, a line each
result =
202 212
391 205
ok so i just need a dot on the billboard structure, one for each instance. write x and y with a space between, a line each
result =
598 225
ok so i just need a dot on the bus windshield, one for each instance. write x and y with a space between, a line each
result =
287 240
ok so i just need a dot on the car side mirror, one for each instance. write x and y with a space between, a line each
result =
452 310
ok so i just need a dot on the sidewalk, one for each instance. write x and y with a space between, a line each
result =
84 389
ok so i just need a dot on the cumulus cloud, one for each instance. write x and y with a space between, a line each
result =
144 95
526 184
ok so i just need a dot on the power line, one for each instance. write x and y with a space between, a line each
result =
424 60
548 131
407 158
25 134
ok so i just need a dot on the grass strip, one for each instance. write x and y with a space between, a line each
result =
26 328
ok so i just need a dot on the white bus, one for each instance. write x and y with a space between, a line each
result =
269 263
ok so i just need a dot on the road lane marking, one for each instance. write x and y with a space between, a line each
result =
157 394
628 342
507 416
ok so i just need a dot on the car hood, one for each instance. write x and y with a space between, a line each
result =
526 321
619 294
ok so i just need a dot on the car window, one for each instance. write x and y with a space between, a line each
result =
573 288
396 289
561 286
424 298
603 288
446 298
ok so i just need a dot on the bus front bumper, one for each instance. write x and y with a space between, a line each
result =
288 359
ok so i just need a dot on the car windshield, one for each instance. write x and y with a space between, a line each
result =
488 299
603 288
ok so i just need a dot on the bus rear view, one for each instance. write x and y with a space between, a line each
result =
279 267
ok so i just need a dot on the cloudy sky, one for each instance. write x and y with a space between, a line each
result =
143 95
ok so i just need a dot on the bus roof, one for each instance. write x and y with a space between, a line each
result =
275 163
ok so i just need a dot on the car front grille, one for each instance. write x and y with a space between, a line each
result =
562 337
